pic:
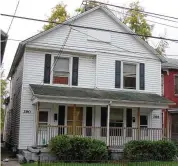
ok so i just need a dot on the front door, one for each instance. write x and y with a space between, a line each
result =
74 120
174 134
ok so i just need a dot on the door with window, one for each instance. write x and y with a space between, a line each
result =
143 126
43 136
74 120
116 122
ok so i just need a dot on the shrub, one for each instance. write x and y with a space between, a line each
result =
78 149
60 146
149 150
164 150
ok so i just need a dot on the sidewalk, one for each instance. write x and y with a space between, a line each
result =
5 154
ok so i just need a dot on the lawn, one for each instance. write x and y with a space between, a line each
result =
175 163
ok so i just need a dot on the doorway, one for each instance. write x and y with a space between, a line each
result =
74 120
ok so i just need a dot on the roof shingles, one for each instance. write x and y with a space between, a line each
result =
84 93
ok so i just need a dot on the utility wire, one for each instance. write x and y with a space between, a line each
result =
126 8
146 19
80 47
86 27
13 17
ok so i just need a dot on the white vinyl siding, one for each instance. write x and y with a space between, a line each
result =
93 72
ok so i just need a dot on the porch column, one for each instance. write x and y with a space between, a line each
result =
37 122
138 124
166 123
108 121
74 120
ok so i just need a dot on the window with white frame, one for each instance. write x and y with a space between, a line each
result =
176 84
43 118
61 70
129 76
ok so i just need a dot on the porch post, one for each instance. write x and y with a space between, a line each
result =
108 121
37 122
138 124
74 120
166 123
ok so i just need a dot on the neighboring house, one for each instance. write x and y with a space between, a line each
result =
91 79
170 91
4 38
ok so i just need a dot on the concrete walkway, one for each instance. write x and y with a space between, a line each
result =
5 154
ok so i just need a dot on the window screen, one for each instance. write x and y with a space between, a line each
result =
62 64
129 74
43 117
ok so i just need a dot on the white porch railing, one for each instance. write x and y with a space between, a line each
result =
118 136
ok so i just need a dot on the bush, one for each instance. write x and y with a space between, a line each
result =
149 150
78 149
165 150
60 146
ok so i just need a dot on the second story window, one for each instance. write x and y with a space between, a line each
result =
61 71
176 85
129 76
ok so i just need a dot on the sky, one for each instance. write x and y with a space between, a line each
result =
41 9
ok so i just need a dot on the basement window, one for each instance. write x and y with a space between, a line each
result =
176 84
61 71
129 76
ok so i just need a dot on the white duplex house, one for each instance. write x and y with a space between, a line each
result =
85 80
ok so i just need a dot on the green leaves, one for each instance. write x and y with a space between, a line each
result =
136 21
58 15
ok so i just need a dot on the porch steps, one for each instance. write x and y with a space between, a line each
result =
32 154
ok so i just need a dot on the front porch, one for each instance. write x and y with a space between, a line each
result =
125 124
115 117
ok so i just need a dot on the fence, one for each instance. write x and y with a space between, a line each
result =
69 162
118 136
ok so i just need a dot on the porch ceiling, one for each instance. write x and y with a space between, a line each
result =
95 94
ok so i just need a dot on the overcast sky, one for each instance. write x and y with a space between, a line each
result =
22 29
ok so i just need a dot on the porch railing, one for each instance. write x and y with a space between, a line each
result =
118 136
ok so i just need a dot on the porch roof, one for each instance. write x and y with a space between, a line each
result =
95 94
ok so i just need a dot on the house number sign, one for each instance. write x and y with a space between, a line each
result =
26 111
156 116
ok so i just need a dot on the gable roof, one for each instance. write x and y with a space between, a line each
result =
70 20
170 64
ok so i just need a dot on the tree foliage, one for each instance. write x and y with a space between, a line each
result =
58 15
136 20
3 95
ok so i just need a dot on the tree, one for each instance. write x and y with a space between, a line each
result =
162 45
3 95
58 15
136 20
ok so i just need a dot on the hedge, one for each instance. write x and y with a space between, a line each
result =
150 150
78 149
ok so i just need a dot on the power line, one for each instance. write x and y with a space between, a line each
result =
13 17
126 8
147 19
86 27
80 47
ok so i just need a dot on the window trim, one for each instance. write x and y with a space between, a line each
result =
70 69
137 74
175 75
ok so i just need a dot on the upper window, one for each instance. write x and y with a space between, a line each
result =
129 76
162 84
176 84
61 71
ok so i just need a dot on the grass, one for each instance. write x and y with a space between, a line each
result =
153 163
